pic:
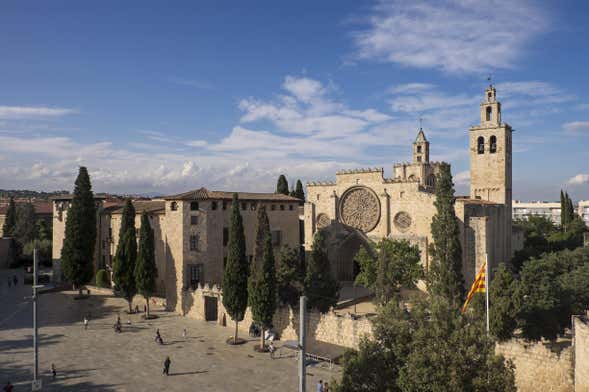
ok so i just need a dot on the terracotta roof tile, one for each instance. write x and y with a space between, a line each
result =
204 194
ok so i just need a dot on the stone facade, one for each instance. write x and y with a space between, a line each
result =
581 353
402 207
190 231
541 366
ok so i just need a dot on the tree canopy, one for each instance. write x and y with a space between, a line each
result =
235 278
290 276
145 268
77 253
10 220
282 185
445 275
321 288
396 265
126 255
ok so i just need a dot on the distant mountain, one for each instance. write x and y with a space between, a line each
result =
26 194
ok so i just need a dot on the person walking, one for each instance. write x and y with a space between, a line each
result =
184 333
8 387
167 364
320 386
325 387
85 323
53 371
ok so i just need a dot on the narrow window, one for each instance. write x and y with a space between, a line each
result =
225 236
272 207
224 205
193 242
317 196
489 112
214 205
282 207
195 275
419 159
174 206
276 237
290 207
194 220
194 206
493 148
243 206
481 145
418 149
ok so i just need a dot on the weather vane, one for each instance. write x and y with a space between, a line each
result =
489 79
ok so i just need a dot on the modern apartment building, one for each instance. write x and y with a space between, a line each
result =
550 210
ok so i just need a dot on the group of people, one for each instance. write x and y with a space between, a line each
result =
322 386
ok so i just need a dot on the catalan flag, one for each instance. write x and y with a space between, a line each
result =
477 287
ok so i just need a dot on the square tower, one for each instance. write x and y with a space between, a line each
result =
420 148
490 154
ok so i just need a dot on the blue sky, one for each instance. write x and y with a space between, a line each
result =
158 97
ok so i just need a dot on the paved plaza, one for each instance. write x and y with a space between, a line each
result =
98 359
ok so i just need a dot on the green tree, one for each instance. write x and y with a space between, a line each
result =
375 366
44 230
544 308
235 278
10 220
262 290
503 302
450 352
289 276
563 211
396 266
321 289
445 275
299 192
146 269
77 253
25 230
262 230
102 279
126 255
282 185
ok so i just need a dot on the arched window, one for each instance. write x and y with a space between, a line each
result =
431 180
481 145
489 111
493 142
174 206
194 206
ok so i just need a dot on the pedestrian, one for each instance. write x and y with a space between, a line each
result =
85 322
158 337
167 363
320 386
136 308
8 387
326 387
184 333
53 371
271 349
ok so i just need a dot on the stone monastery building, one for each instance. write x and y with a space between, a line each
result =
191 228
362 204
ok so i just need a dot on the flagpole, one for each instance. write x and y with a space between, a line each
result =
487 289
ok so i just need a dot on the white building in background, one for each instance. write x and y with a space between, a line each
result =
550 210
583 211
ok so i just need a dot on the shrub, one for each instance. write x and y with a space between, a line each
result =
102 279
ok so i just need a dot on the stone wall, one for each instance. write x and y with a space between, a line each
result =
327 328
542 366
581 328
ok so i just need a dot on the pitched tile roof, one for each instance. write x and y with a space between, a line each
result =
204 194
149 206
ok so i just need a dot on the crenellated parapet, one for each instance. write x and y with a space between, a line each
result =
321 183
361 170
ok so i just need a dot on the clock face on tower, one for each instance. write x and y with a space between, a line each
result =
360 208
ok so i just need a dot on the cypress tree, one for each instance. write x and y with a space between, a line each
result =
445 277
10 220
570 211
26 227
321 289
126 255
235 278
299 192
77 252
145 269
262 289
563 208
262 230
282 185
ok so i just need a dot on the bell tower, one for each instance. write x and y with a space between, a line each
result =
420 148
490 153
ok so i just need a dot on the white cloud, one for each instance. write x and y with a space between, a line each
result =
576 127
196 143
462 178
452 35
579 179
20 112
